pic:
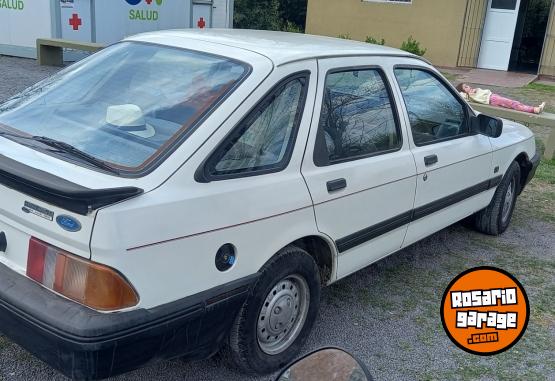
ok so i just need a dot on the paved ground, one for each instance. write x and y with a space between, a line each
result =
492 77
388 313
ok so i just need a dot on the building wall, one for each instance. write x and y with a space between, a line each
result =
547 65
436 24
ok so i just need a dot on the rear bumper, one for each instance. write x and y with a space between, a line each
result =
85 344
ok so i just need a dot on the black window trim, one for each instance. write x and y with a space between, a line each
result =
203 175
321 154
468 112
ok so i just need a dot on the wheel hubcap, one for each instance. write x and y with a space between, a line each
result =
283 314
508 201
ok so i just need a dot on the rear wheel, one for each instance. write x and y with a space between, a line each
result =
495 219
277 317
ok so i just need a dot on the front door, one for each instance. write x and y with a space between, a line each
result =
455 176
498 35
358 165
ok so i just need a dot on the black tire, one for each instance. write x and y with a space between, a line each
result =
242 347
492 220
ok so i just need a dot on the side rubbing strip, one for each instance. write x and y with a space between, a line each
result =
372 232
367 234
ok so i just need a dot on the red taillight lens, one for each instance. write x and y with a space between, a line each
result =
88 283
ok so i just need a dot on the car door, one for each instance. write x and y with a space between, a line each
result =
455 176
358 165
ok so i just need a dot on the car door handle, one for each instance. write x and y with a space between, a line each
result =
335 185
429 160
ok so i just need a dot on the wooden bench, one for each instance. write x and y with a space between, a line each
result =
543 119
50 50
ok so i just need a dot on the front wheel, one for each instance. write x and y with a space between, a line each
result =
277 317
495 219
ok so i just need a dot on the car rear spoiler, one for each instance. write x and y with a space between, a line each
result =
57 191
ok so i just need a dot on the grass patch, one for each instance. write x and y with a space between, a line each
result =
450 77
4 343
541 87
546 171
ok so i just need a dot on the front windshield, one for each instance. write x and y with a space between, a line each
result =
125 104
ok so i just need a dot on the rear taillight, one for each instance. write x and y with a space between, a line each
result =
88 283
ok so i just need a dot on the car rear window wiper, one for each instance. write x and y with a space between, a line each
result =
65 148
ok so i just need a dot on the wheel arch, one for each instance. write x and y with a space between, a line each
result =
525 167
322 249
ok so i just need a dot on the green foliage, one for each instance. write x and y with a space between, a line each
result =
291 27
293 12
257 14
372 40
413 46
286 15
345 36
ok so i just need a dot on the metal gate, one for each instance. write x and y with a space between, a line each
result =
471 36
547 61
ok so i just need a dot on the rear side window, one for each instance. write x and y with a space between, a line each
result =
435 114
263 141
357 118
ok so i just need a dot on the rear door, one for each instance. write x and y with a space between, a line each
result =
358 165
455 175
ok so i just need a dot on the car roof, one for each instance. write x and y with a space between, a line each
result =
280 47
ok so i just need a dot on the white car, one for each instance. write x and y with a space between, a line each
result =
185 191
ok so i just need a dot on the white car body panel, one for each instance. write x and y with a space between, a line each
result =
384 184
188 221
164 241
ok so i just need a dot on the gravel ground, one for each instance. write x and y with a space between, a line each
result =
388 313
18 74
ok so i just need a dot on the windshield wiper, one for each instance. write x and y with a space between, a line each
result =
65 148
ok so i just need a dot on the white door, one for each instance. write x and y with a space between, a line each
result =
455 176
358 165
76 20
202 16
499 32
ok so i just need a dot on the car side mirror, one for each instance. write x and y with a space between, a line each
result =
487 125
326 364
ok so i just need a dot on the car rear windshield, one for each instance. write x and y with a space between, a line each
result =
126 104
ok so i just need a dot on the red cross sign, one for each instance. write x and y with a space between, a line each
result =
75 21
201 23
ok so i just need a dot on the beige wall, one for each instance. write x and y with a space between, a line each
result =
547 66
436 24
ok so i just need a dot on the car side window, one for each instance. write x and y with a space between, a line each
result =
435 114
264 140
357 118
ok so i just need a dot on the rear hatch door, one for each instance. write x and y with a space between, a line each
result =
52 200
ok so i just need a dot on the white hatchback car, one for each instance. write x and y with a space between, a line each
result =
184 191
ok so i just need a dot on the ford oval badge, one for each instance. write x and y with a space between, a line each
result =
68 223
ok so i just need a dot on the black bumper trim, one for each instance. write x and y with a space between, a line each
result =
85 344
532 165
